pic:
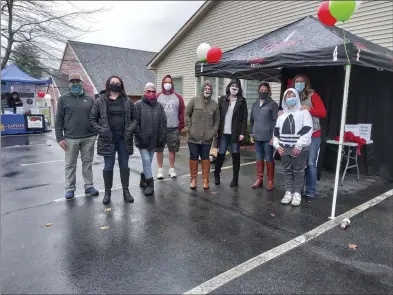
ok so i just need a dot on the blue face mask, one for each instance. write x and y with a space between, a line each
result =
291 101
299 86
76 89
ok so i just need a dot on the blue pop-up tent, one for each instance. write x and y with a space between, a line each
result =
13 74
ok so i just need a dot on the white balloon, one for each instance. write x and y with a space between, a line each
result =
48 96
202 50
357 5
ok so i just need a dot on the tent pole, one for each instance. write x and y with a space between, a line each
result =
341 140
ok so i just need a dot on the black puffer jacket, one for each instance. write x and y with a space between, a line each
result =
240 113
150 132
99 121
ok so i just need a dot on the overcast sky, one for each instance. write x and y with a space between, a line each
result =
144 25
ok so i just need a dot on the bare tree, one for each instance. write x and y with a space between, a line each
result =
42 26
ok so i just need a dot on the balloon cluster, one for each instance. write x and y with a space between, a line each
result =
329 12
41 94
207 53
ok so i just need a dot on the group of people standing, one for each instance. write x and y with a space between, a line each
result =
157 119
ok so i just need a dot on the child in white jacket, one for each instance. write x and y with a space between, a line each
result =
292 138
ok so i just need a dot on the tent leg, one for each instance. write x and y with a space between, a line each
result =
341 140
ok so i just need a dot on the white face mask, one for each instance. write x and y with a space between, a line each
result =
167 86
234 90
207 93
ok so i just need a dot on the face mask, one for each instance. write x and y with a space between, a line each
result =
263 95
299 86
150 96
207 94
234 90
291 101
76 89
167 86
115 87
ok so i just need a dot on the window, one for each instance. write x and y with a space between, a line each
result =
251 93
178 84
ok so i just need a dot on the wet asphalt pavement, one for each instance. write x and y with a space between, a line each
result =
178 239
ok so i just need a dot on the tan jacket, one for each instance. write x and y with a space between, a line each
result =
202 120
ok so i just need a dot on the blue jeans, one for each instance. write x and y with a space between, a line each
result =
264 151
122 155
225 140
196 150
147 158
311 170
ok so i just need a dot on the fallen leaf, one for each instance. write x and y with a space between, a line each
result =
104 227
353 246
272 214
214 193
48 224
108 209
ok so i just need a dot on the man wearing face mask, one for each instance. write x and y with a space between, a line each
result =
202 120
74 134
233 128
174 108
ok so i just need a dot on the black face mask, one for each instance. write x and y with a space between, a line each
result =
263 95
115 87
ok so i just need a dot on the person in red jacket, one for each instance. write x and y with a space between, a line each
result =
174 108
312 102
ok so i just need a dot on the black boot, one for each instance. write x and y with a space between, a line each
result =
236 169
125 182
150 187
142 183
108 181
217 169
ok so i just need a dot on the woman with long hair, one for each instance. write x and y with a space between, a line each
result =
114 118
262 120
233 128
311 101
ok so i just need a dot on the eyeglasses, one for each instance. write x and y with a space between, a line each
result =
150 91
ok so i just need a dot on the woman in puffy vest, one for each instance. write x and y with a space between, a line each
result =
311 101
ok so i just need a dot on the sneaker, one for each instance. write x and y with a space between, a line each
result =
297 199
160 173
91 191
172 173
69 195
287 198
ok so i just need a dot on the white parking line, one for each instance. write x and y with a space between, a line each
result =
158 181
259 260
44 162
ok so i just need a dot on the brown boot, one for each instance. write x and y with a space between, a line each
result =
260 171
193 173
270 175
205 173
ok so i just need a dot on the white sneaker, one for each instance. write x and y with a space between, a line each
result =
297 199
160 173
172 173
287 198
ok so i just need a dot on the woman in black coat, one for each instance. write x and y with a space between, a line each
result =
113 117
233 128
150 133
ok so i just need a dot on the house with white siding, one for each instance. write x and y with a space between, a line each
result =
229 24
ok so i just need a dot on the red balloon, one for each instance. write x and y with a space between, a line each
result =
214 55
41 94
324 14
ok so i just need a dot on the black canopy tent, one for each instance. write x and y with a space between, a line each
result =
308 46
